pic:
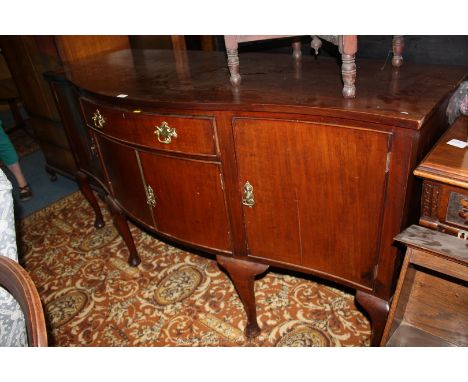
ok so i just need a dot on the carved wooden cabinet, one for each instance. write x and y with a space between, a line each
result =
444 201
284 173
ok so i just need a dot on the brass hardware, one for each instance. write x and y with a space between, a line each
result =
248 198
98 119
150 198
93 146
166 132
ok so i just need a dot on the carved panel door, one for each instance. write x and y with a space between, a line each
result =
189 202
318 192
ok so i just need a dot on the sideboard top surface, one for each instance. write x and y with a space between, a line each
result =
447 163
270 82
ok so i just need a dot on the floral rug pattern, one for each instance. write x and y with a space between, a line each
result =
92 297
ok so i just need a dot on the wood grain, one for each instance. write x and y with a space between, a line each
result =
20 285
445 163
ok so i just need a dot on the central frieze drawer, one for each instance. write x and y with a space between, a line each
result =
185 134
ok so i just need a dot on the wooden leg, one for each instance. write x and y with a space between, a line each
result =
316 44
378 313
83 184
398 45
233 64
120 222
51 172
242 274
348 73
297 53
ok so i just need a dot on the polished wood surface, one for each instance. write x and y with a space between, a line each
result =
195 135
446 163
399 97
321 177
20 285
122 170
430 305
332 178
72 48
190 203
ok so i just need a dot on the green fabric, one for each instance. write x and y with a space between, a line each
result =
7 151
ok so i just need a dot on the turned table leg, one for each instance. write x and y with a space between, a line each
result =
348 73
348 49
297 52
378 313
242 274
120 222
83 184
233 59
398 44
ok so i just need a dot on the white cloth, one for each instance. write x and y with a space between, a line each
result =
12 323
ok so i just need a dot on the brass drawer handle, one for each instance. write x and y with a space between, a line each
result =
248 197
166 133
150 198
98 119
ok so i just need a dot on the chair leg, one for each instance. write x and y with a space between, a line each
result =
398 44
348 73
297 53
233 59
316 44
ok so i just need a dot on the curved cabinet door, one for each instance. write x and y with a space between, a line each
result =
319 194
125 179
189 200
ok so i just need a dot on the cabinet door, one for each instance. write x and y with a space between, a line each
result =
190 204
125 179
319 194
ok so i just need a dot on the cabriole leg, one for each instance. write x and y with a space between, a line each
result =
243 274
120 222
378 313
83 184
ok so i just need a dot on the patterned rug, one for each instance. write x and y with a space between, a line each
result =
173 298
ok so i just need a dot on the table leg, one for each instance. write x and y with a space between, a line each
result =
83 184
242 274
120 222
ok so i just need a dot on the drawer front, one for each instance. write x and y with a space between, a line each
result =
184 134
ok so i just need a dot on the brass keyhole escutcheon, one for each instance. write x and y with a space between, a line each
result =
165 133
98 119
248 195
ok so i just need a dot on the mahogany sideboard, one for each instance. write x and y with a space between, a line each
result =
279 171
